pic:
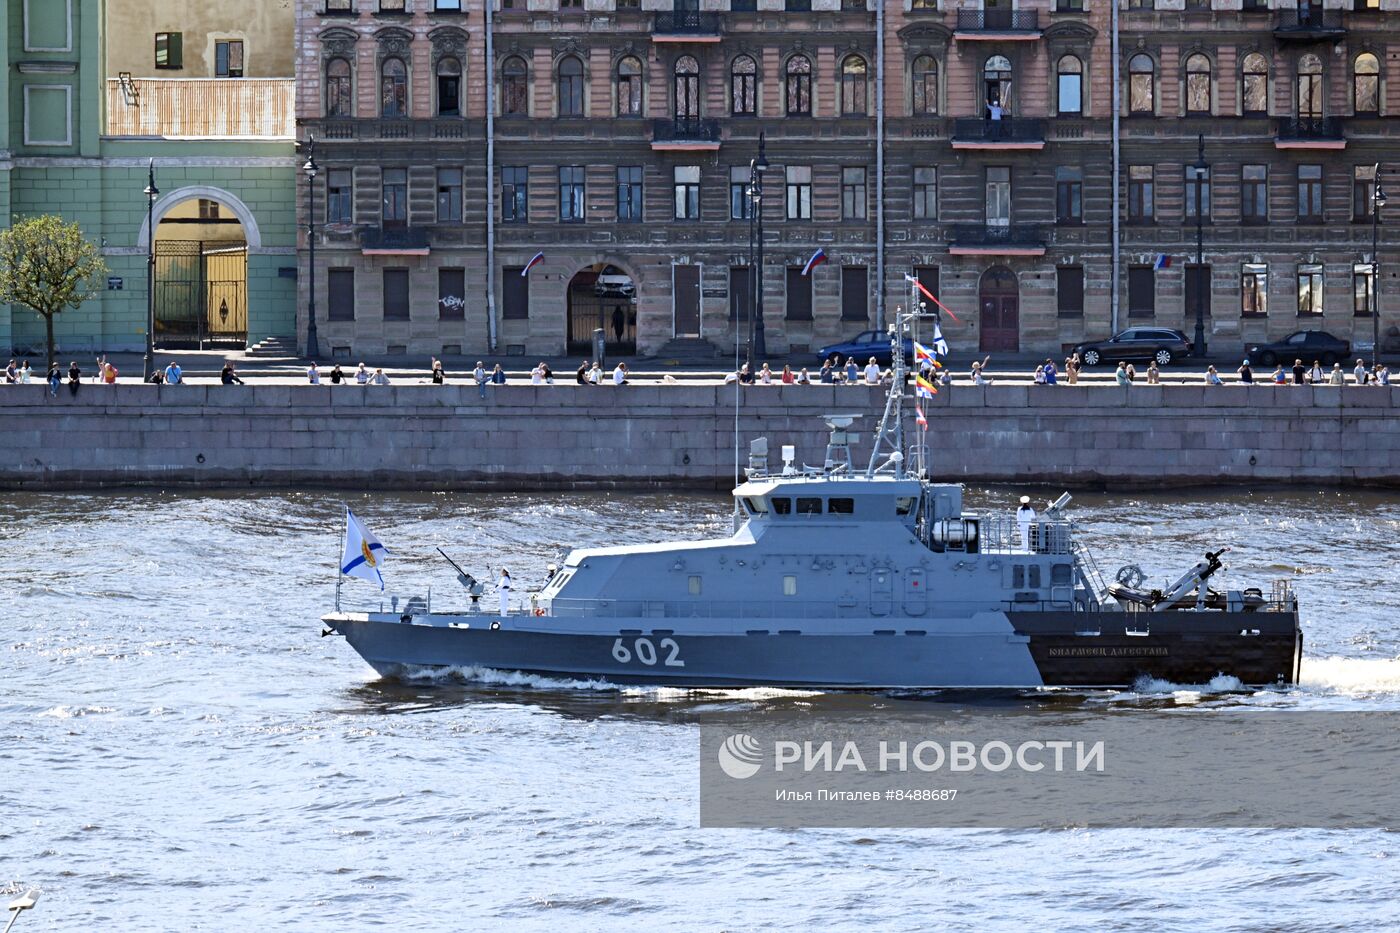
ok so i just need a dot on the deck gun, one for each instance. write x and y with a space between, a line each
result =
474 587
1195 578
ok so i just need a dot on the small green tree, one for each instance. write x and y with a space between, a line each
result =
47 266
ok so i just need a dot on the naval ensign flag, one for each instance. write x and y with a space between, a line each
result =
363 552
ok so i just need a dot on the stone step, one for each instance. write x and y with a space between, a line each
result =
274 348
686 350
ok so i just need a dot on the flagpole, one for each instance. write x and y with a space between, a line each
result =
344 534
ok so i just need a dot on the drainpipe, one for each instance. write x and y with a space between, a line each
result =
1117 166
880 164
490 176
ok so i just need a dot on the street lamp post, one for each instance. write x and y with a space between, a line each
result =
1201 167
313 350
152 192
1378 200
758 348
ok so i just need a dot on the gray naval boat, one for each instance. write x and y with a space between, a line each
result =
837 578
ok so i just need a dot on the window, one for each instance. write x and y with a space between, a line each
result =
515 294
1069 195
393 88
925 86
1070 84
1310 194
340 288
339 93
998 196
799 295
570 87
1309 87
1142 289
1069 6
449 195
841 506
687 88
1363 294
1254 289
340 6
170 50
996 78
1141 85
515 92
395 294
799 86
855 294
854 98
853 198
1069 290
693 586
1309 289
799 192
789 580
391 6
1142 207
1363 189
687 192
395 197
1254 194
228 59
1255 85
447 6
1366 85
743 6
740 204
926 192
1197 193
571 193
515 194
208 210
1197 84
743 87
452 294
928 278
629 87
797 6
340 196
740 293
449 88
629 193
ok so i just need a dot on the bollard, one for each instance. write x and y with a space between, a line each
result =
599 347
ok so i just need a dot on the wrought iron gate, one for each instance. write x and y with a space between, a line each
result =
201 293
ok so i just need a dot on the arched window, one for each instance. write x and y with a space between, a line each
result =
686 80
1142 97
1309 95
629 87
925 85
393 88
1197 84
743 87
340 92
1366 84
996 79
854 82
449 87
515 92
799 86
570 91
1255 89
1069 73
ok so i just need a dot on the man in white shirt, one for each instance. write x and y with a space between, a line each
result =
1361 373
479 374
537 375
313 375
503 587
620 375
872 372
1025 517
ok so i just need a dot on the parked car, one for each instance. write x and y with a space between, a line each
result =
863 346
1137 343
1305 345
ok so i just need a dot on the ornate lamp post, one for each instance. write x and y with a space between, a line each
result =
1202 169
313 350
757 346
1378 200
151 192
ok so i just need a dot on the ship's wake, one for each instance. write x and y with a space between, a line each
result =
1351 676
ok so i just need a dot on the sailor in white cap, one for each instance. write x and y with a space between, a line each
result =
503 586
1025 515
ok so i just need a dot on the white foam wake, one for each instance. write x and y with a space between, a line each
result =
493 677
1220 683
1351 675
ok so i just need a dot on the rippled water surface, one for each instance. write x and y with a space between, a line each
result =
179 750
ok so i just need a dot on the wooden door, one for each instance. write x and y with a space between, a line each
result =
999 300
686 291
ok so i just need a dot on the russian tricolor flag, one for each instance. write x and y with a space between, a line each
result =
535 261
1163 261
817 259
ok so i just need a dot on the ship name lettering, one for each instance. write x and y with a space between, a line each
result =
1109 651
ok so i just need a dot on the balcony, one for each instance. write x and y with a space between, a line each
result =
685 26
1008 133
685 134
393 241
996 240
997 25
347 129
1310 133
1311 25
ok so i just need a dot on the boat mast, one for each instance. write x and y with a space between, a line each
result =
891 431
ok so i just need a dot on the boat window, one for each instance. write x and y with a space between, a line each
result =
841 506
903 505
1061 573
694 586
561 579
782 506
756 506
809 506
1018 576
789 585
1035 576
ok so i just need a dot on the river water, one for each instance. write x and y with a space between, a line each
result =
179 750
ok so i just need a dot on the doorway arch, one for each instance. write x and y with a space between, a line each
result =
602 296
202 239
999 298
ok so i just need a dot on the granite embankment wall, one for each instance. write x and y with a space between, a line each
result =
523 437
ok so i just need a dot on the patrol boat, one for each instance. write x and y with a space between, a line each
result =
838 578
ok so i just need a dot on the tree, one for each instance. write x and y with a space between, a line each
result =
47 266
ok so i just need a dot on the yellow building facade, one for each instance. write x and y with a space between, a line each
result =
199 39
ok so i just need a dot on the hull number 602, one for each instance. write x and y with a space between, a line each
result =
666 651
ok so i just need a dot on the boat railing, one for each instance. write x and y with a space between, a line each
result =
778 611
1002 535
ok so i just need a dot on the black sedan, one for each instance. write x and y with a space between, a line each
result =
1305 345
1137 343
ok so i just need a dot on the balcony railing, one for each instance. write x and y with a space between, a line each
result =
998 20
685 23
1309 24
375 128
1012 130
377 239
685 130
996 236
1319 129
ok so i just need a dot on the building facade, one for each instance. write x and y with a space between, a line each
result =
618 139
